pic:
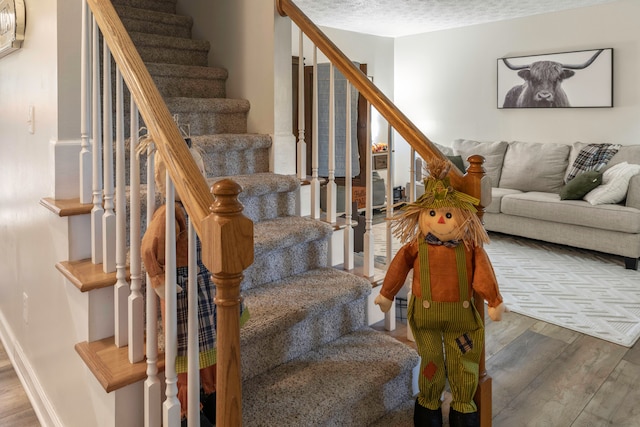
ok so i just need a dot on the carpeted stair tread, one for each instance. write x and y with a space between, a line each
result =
348 382
223 143
259 184
208 105
400 416
287 231
152 22
166 6
180 80
211 115
173 50
277 306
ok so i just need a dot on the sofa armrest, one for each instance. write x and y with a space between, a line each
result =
633 193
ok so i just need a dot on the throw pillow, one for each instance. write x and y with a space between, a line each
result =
458 162
493 153
581 185
615 183
535 166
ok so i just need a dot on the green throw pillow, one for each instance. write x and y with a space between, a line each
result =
457 161
581 185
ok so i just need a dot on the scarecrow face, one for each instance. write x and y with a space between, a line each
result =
441 222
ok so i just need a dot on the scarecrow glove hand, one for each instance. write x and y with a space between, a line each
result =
384 303
495 313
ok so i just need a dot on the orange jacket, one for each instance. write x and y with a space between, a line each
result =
444 274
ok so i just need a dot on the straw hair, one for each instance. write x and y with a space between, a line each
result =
160 171
439 194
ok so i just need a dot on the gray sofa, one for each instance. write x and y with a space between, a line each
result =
527 180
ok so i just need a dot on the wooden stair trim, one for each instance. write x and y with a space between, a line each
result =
66 207
87 276
110 364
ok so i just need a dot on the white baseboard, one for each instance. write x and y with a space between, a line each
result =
41 405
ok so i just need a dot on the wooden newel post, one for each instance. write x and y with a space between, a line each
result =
477 184
227 253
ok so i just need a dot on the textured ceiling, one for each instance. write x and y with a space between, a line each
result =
395 18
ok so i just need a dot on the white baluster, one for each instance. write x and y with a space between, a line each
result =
121 289
315 182
348 230
193 398
171 406
97 211
390 316
331 185
109 216
136 300
152 385
412 176
368 266
302 145
86 184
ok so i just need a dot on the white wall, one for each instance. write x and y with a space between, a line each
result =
40 337
446 81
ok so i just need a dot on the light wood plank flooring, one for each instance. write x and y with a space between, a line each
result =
543 376
15 408
547 376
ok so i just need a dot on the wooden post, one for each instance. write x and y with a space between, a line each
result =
227 251
473 185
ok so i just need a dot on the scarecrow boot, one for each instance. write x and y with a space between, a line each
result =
459 419
425 417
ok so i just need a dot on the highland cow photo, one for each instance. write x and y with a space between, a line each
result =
559 80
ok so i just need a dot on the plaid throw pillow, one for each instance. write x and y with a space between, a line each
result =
592 157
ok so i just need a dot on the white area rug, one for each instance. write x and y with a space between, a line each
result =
584 291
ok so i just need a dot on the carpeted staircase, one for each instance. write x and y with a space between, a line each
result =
308 356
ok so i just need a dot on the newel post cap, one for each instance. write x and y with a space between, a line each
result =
228 233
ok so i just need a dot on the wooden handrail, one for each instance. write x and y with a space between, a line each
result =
188 180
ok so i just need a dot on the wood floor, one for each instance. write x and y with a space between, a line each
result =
547 376
543 376
15 408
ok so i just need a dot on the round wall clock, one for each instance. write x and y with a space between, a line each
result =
12 25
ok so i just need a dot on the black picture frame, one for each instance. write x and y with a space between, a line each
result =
577 79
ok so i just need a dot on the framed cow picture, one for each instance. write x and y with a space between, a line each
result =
579 79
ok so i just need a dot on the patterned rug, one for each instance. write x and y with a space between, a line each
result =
585 291
581 290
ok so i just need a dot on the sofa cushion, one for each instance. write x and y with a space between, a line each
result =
626 153
534 166
615 183
580 185
493 153
549 207
633 193
497 194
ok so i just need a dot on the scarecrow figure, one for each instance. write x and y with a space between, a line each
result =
153 255
443 240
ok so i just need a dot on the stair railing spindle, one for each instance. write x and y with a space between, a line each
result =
109 216
193 398
302 145
97 210
315 182
152 384
171 406
86 184
331 184
348 230
390 316
136 300
121 289
368 245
